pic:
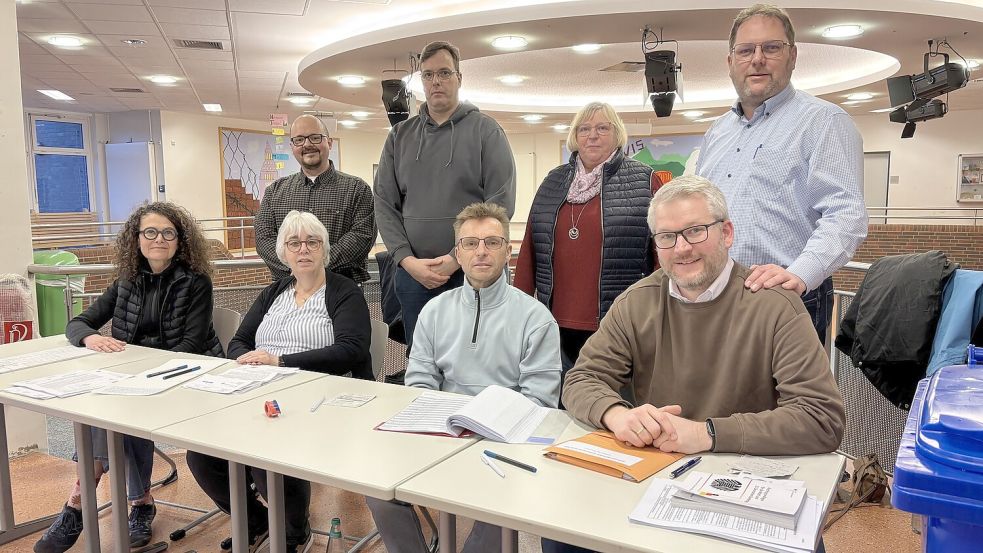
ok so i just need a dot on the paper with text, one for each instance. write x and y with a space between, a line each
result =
143 384
34 359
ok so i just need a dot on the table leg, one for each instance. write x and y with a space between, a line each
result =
117 481
278 531
6 494
447 529
510 540
237 498
87 483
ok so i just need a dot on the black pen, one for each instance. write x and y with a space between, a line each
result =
689 464
512 462
185 371
158 373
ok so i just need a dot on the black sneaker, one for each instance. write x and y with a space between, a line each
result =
257 542
63 532
303 547
140 518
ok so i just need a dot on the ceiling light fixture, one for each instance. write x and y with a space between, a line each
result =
350 80
882 110
212 107
56 95
510 42
693 114
511 79
589 48
857 96
300 100
708 119
532 118
163 79
560 127
360 114
133 41
348 123
65 41
843 31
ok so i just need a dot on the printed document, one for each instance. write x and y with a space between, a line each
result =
36 358
144 384
68 384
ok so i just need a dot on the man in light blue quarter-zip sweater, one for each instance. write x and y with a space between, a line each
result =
482 333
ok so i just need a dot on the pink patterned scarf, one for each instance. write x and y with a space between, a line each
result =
586 184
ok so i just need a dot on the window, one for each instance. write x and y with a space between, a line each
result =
60 155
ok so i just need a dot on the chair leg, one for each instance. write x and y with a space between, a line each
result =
171 478
434 534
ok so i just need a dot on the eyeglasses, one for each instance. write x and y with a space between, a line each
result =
603 129
313 244
150 233
314 138
771 49
442 75
491 242
693 235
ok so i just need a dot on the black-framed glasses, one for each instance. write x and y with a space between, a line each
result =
151 233
491 242
313 244
314 138
770 49
442 75
693 235
602 129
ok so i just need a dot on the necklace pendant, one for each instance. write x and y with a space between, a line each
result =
574 233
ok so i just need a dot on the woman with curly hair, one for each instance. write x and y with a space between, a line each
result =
161 298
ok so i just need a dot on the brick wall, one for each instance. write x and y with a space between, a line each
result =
239 203
963 244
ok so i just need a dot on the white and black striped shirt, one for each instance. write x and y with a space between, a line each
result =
288 329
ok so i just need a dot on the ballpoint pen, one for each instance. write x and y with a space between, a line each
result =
512 462
165 371
179 373
318 403
491 464
689 464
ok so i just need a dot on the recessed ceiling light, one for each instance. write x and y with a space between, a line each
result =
300 100
360 114
212 107
693 114
860 96
560 127
708 119
348 123
882 110
65 41
851 103
589 48
350 80
133 41
511 79
56 94
532 118
509 42
163 79
843 31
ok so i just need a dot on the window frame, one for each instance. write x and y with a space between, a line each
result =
34 148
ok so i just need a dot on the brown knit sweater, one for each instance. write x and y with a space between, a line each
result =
751 362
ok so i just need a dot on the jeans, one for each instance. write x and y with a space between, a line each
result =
413 296
138 454
819 304
212 474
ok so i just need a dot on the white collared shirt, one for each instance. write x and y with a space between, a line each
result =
716 287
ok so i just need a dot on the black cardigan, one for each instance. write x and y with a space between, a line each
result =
349 315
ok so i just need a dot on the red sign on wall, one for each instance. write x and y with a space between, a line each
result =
17 331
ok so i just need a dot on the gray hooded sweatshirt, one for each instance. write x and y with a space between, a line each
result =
428 173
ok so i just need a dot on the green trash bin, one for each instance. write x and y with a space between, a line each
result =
52 314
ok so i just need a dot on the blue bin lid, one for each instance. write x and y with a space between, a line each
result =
939 468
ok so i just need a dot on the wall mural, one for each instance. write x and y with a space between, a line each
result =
674 153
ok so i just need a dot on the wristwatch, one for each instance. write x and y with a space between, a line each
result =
713 435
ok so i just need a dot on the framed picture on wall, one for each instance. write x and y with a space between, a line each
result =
671 155
970 186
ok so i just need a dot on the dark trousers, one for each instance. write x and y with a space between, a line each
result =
551 546
413 296
212 474
571 340
819 304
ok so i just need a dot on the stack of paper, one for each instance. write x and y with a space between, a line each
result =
656 509
240 379
53 355
65 385
776 502
161 378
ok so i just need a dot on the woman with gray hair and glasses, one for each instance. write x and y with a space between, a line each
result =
315 320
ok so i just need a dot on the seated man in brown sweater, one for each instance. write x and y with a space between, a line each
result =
713 365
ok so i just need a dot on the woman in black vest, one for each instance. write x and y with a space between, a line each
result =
587 238
161 298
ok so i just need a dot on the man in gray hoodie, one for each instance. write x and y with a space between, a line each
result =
432 166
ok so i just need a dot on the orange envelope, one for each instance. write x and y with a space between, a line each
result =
651 460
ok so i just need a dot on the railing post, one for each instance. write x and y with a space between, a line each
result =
69 298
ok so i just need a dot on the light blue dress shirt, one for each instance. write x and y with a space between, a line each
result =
793 178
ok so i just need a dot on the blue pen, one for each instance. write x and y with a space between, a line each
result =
185 371
158 373
689 464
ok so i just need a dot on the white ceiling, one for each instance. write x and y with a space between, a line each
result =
267 44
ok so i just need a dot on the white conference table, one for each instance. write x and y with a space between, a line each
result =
133 415
572 504
335 446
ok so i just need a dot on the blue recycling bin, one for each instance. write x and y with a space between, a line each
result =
939 469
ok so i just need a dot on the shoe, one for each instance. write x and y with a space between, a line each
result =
257 542
303 547
140 518
63 532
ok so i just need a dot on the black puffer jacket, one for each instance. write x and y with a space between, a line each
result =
185 321
626 253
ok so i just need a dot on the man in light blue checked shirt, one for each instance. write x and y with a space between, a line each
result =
790 166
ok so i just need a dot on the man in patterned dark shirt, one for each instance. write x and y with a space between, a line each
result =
341 201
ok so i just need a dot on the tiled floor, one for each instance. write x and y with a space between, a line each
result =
41 483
